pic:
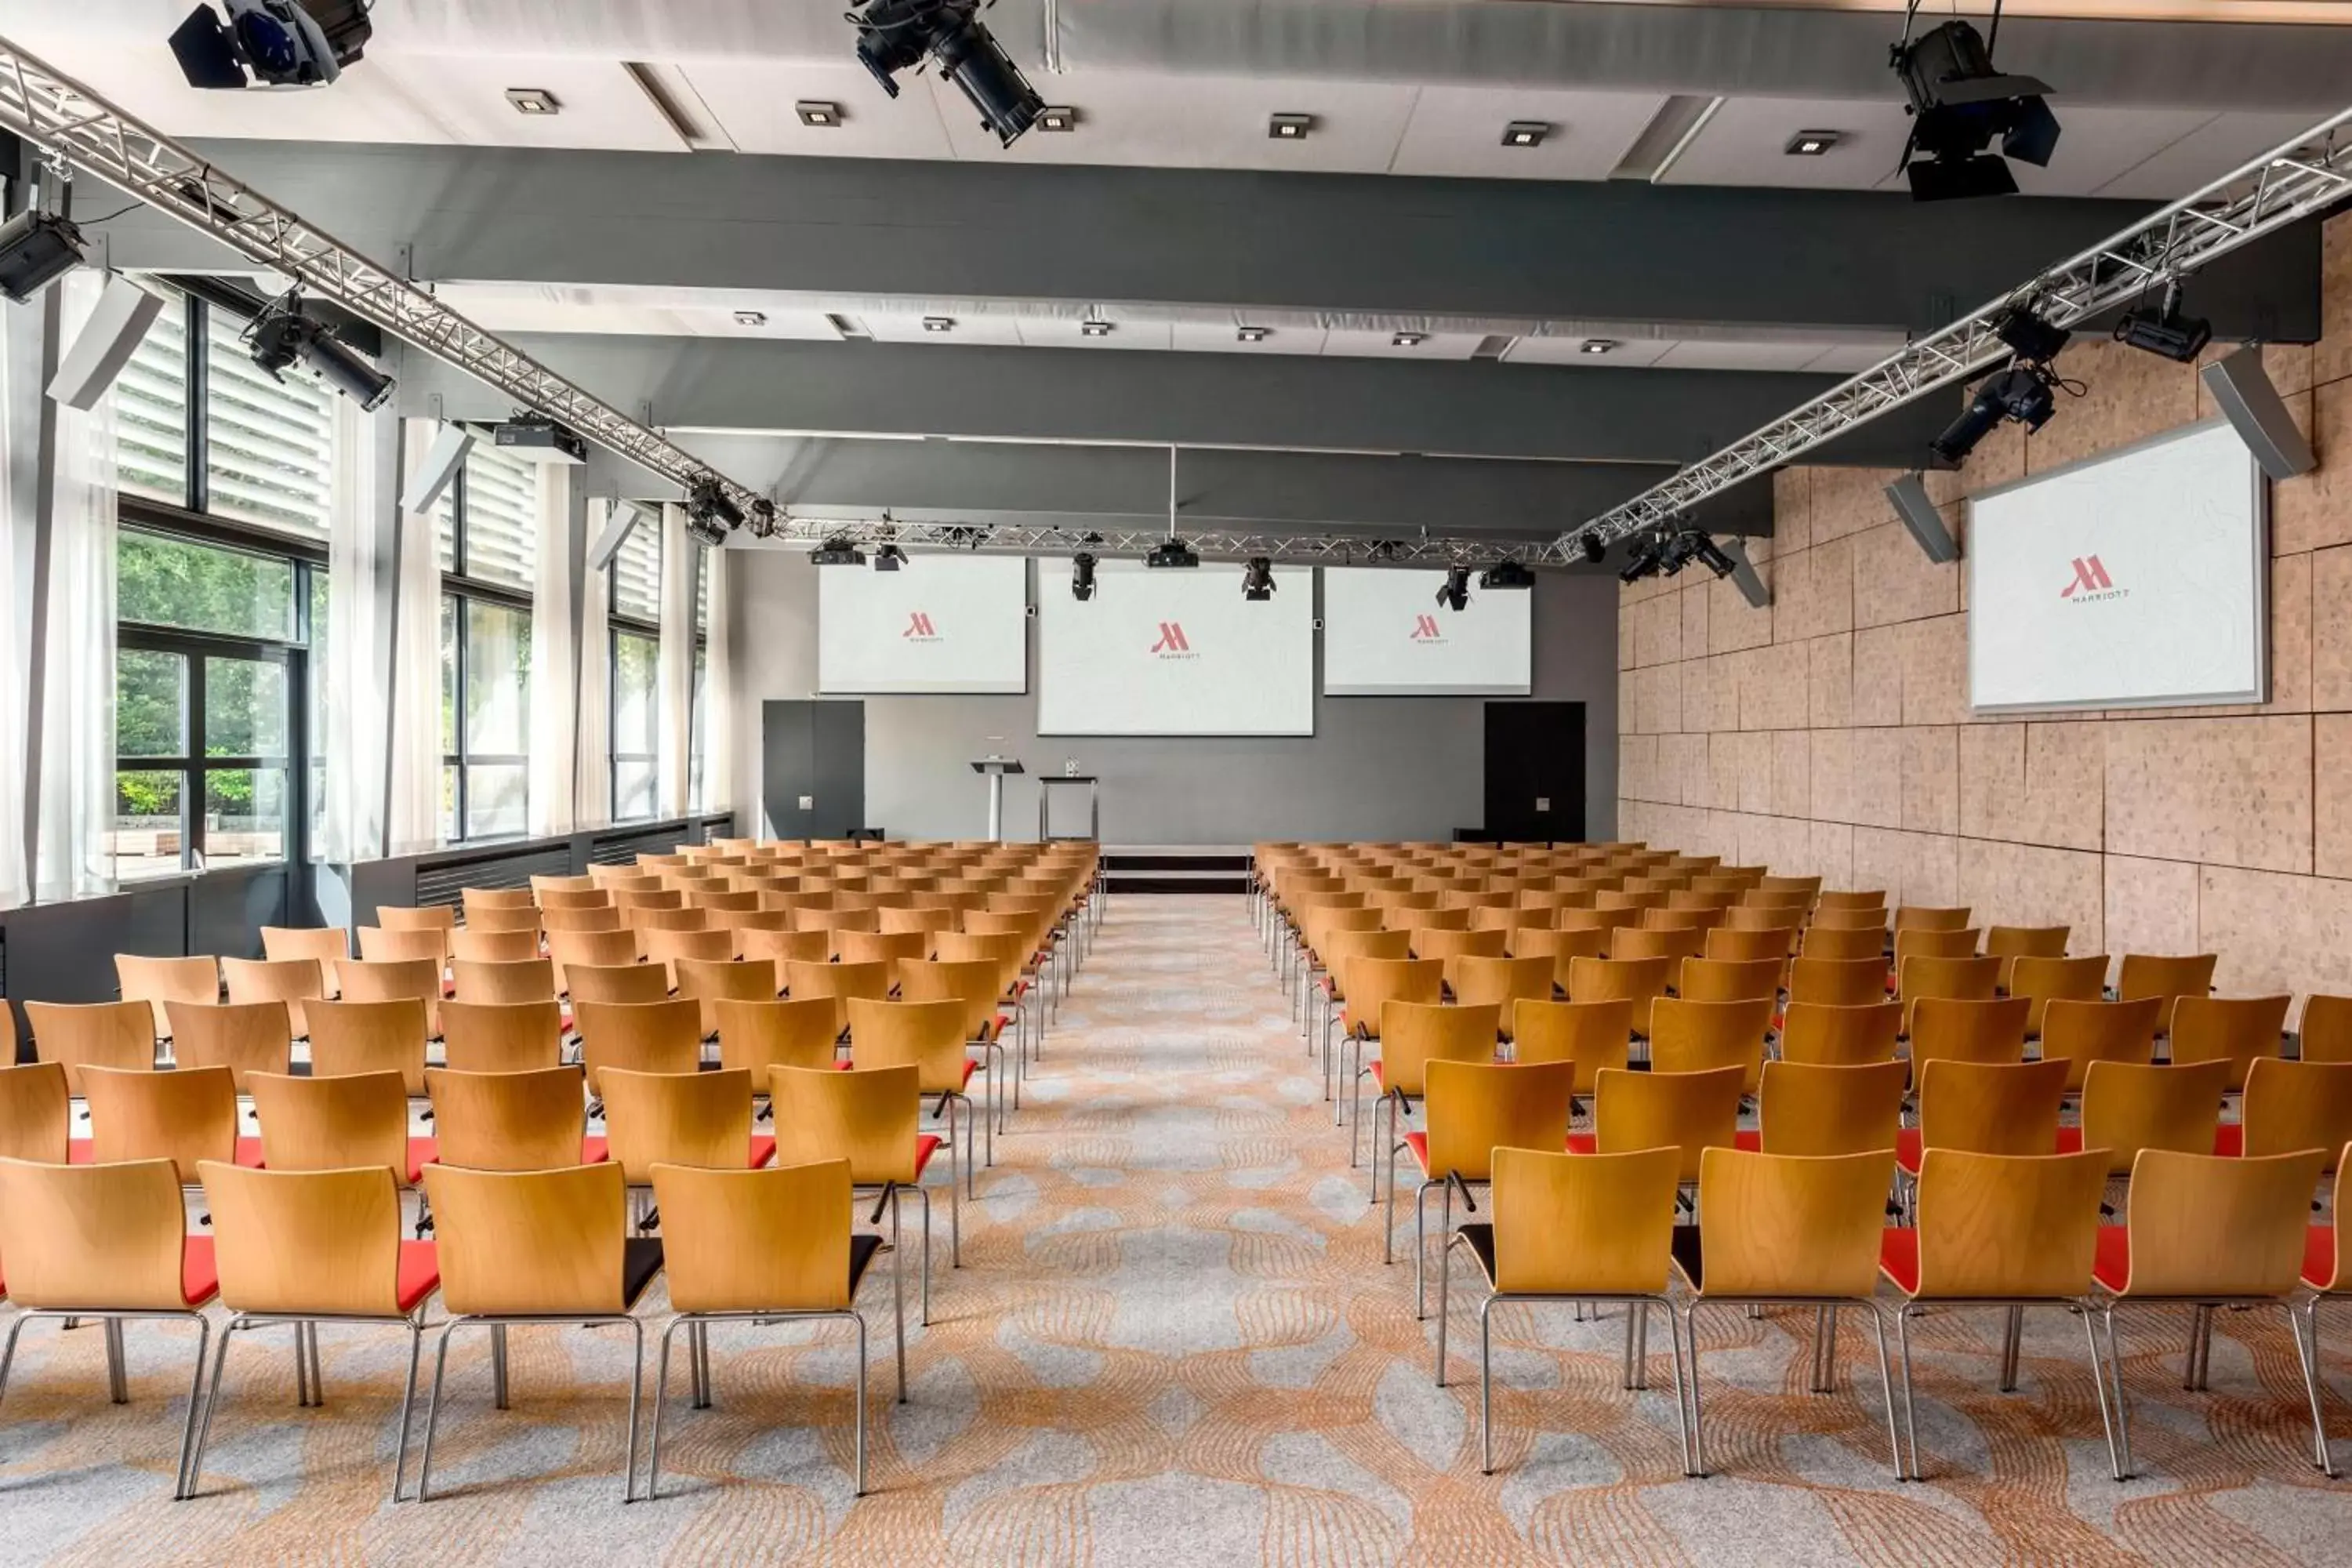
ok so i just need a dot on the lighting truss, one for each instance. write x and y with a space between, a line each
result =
72 123
2302 177
1216 544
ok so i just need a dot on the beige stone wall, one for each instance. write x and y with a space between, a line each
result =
1831 732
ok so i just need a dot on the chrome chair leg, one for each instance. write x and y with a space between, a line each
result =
1887 1389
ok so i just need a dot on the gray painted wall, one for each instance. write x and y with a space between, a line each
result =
1376 767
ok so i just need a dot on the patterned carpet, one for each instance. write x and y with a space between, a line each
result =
1172 1334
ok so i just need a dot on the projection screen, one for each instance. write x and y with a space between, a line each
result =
1385 635
1174 652
938 623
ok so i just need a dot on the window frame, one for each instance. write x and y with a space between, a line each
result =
618 626
466 592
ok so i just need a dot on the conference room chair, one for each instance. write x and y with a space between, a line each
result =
512 980
477 943
872 1118
554 919
501 1036
36 1112
840 982
633 902
475 900
2131 1106
242 1036
1726 893
1836 982
292 983
888 950
2010 944
1753 918
1672 947
755 1035
2083 1033
183 1115
2238 1030
1924 917
1782 1230
1332 955
706 981
1590 1036
1640 981
533 1121
568 892
601 950
1850 944
2042 980
1558 945
1730 980
1796 902
1368 986
930 1037
1811 887
442 918
2166 977
298 1248
1728 944
1471 1109
348 1037
1951 946
766 1246
927 921
639 1036
160 981
1810 1109
76 1035
2008 1230
1945 1028
663 949
1687 1036
697 1119
542 1246
1590 1230
1870 922
1501 983
979 984
1983 1108
715 901
1688 1111
1699 921
2325 1031
1414 1034
1938 978
402 945
782 946
338 1123
325 945
397 979
2288 1105
2205 1233
109 1242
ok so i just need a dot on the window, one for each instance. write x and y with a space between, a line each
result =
268 446
698 704
151 412
490 551
635 614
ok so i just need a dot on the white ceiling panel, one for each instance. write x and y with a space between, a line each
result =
1745 143
752 101
2203 155
1211 337
599 105
994 331
1043 333
1849 359
1458 131
1701 353
1630 352
1356 343
627 310
2097 144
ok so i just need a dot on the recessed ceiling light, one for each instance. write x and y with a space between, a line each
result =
1253 334
939 323
1057 118
1410 340
751 318
1289 127
1597 345
1813 143
1094 329
816 112
533 100
1525 133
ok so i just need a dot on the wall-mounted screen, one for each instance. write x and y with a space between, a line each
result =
2137 578
938 623
1174 652
1385 635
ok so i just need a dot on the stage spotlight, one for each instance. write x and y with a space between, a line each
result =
2022 393
890 558
1506 574
763 519
896 35
1958 103
1678 552
2164 330
838 551
35 250
1082 577
2035 339
282 335
1174 552
1643 561
1595 548
276 43
1258 580
709 514
1710 555
1454 595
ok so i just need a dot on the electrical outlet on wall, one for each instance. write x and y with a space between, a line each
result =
808 803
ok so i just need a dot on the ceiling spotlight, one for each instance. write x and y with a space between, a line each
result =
939 323
838 551
897 35
890 558
2164 330
2036 340
1507 573
1643 561
1174 552
751 318
1454 595
533 100
1712 556
277 43
762 520
1410 340
1525 133
1595 549
281 336
818 114
1958 103
1094 329
1289 127
1253 334
1258 580
1597 346
2022 393
1057 117
1678 552
1813 143
1082 577
36 248
710 513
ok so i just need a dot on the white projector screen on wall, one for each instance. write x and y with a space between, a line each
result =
2135 579
1174 652
1385 635
938 623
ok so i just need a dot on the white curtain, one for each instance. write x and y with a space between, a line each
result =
20 412
677 666
592 778
361 567
718 692
555 659
414 812
76 712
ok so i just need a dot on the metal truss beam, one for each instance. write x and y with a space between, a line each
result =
74 125
1214 544
2297 179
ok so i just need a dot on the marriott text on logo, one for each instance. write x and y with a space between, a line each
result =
1172 642
2092 582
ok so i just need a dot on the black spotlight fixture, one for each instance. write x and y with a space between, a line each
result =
1711 555
890 558
761 518
2164 330
710 514
1258 580
898 35
1678 552
1595 549
1643 561
271 43
1507 573
1082 577
281 336
2032 335
1454 594
2022 393
839 550
36 248
1173 552
1959 104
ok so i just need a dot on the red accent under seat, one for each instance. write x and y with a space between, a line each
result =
2319 1257
1898 1258
2110 1266
199 1273
420 1274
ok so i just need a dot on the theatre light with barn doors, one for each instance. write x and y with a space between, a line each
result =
1082 577
2164 330
1454 592
890 558
709 515
36 248
281 337
894 35
271 43
1958 105
1173 552
1257 579
1643 559
2024 391
1507 573
838 551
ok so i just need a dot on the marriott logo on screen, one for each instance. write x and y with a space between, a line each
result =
2092 582
1172 642
919 628
1424 629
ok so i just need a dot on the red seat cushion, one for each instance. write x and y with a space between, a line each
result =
1417 1145
1582 1143
2319 1257
420 1274
595 1152
1906 1149
926 1144
422 1151
1898 1258
2111 1266
199 1274
763 1149
2230 1140
1380 1080
248 1153
1751 1141
2070 1141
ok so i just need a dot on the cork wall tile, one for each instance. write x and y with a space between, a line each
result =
1878 676
1829 771
2331 828
2331 629
1912 868
1792 773
1893 581
1931 770
1773 689
2230 792
2275 934
1694 600
1830 854
2024 884
1732 623
1754 750
2152 905
1850 500
1829 703
1791 502
1935 671
2331 357
1878 777
2313 511
2132 395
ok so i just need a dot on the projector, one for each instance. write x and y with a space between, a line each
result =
1507 574
1174 552
539 441
838 551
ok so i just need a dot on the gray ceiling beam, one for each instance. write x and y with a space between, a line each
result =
1470 408
1608 250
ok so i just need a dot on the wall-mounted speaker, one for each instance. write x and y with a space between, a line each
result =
442 461
2242 389
626 515
107 340
1921 520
